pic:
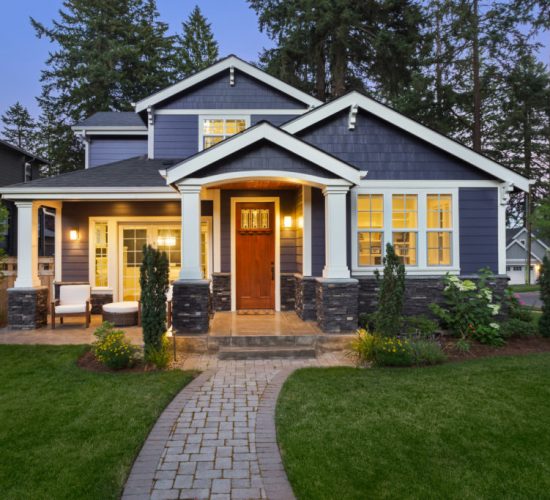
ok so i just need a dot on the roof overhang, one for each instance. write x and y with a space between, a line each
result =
226 64
399 120
111 130
264 131
90 194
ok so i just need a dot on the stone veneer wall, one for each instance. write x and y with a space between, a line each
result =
27 308
191 306
305 301
221 291
288 292
337 302
420 292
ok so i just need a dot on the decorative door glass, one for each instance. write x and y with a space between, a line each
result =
133 240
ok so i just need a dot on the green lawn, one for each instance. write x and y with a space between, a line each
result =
472 430
525 288
66 433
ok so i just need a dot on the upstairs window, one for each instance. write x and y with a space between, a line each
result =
215 129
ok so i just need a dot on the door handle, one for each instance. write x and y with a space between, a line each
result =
272 271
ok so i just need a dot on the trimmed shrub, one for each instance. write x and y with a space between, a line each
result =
518 328
112 348
544 280
387 319
427 352
153 280
514 308
160 357
421 326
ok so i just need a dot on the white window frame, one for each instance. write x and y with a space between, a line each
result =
224 117
421 266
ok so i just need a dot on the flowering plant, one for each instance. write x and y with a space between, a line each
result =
470 309
112 348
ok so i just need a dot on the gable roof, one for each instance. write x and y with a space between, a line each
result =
512 236
261 132
17 149
522 248
225 64
399 120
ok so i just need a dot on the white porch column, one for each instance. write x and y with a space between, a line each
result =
190 232
306 231
27 245
336 221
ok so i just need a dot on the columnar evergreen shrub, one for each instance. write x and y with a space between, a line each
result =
154 285
387 318
544 280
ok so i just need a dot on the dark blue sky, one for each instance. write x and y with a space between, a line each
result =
22 55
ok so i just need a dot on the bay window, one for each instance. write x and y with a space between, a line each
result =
420 224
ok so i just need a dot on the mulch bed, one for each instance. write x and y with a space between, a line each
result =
513 347
90 363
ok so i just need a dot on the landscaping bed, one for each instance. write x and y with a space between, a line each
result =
71 433
513 346
477 429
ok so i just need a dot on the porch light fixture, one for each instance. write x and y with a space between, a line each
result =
287 221
73 234
300 222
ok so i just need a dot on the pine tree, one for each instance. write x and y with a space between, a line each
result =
195 48
19 128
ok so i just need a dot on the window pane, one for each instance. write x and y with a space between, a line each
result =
370 249
439 248
370 213
101 262
404 211
240 125
405 247
213 127
211 140
439 211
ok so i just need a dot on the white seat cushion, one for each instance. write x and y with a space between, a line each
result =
121 307
70 309
74 294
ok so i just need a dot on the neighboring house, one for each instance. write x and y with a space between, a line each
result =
264 197
516 255
20 166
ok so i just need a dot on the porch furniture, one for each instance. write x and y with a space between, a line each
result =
122 313
74 300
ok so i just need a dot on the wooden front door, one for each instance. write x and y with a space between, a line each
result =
255 255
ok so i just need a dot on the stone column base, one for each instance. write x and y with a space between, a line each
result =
306 307
221 291
337 304
191 306
288 292
27 308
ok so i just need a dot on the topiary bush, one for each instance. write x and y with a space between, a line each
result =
544 280
153 280
387 319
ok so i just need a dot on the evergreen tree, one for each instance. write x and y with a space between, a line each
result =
544 321
195 48
19 128
541 219
109 53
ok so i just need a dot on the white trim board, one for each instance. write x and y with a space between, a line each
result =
255 134
225 64
399 120
252 199
533 237
230 112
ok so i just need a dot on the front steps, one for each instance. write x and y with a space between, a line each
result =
267 347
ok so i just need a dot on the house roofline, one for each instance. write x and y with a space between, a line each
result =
25 153
221 65
411 126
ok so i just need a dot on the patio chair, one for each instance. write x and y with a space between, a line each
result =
74 300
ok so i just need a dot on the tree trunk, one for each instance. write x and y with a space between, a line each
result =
476 136
338 67
320 72
529 197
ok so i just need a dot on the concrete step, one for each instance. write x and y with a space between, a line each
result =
277 352
266 341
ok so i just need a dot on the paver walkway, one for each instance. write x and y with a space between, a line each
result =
217 438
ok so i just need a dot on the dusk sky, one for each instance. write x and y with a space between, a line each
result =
22 54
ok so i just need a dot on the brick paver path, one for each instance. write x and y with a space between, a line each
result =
217 439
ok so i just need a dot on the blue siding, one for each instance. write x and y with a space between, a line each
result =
176 136
385 151
276 120
264 156
247 93
111 149
478 212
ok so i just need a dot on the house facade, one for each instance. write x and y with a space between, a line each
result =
516 255
264 198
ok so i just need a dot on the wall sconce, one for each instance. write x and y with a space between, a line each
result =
73 234
300 222
287 221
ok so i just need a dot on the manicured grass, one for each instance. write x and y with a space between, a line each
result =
68 433
524 288
478 429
